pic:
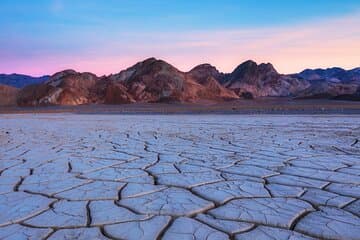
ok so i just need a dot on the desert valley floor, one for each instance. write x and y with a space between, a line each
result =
78 176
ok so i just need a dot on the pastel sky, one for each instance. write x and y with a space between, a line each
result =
45 36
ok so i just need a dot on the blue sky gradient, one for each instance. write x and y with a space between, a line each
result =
75 32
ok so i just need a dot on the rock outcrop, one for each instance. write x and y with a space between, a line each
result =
149 81
157 81
63 88
327 90
154 80
262 81
117 93
8 95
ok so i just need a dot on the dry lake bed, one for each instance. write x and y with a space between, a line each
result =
77 176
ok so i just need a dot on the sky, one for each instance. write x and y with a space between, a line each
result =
45 36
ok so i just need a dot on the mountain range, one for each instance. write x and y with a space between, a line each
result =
20 80
154 80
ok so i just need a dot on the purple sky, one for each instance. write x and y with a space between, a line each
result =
106 37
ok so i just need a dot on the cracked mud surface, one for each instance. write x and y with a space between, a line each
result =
65 176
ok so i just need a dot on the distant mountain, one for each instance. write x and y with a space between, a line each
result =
334 83
20 81
335 75
154 80
262 81
151 80
63 88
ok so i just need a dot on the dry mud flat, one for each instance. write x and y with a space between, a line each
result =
256 106
68 176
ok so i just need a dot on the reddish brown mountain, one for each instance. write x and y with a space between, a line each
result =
262 81
149 81
209 77
63 88
204 71
8 95
117 93
155 80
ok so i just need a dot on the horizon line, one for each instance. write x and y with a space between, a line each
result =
161 59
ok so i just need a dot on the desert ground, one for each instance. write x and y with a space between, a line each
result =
73 175
255 106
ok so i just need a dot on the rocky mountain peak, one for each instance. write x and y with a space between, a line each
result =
251 72
62 74
205 67
268 68
204 71
262 80
148 66
252 67
154 80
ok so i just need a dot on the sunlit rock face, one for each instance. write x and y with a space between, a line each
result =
155 80
117 93
152 80
210 79
63 88
149 81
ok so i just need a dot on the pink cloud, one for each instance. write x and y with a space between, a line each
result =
326 43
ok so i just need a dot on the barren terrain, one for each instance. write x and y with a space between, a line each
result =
261 105
93 176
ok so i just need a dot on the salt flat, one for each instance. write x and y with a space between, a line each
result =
68 176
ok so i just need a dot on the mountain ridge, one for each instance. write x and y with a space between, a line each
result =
21 80
154 80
